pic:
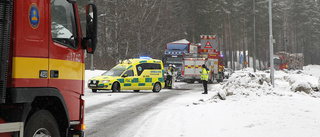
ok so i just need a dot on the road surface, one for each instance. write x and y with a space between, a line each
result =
110 114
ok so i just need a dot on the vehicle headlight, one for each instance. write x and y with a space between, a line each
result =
92 80
105 81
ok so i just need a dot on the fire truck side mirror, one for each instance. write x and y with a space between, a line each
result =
90 41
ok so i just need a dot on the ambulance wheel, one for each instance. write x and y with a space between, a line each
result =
156 87
94 90
136 90
42 123
116 87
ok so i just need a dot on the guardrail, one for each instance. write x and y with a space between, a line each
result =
12 127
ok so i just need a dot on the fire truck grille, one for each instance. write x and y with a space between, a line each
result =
5 32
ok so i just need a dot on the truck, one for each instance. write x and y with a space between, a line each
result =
207 55
42 67
285 60
173 54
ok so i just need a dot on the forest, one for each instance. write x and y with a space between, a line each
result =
133 28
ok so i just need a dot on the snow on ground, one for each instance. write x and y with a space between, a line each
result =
247 105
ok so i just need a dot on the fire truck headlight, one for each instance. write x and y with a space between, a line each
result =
105 81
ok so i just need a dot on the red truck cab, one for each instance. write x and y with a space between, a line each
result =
42 65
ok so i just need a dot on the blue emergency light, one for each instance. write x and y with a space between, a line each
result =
144 57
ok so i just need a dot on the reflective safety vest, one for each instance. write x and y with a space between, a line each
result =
170 71
205 74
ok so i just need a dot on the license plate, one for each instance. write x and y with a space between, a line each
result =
92 85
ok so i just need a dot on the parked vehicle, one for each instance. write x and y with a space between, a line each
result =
208 55
42 67
131 74
285 60
173 54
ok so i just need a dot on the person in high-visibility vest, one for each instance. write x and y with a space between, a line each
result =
170 75
205 78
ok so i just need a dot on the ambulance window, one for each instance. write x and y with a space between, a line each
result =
151 66
63 23
129 73
143 66
140 69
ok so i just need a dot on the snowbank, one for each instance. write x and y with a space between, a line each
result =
248 83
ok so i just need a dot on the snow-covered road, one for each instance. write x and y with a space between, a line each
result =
251 110
121 114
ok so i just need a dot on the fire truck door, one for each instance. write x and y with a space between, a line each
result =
30 44
66 64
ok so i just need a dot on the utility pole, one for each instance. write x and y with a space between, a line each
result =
254 35
271 40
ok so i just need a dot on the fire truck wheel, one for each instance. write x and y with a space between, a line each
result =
116 87
156 87
94 90
42 123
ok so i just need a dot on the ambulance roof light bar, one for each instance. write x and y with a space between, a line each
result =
144 57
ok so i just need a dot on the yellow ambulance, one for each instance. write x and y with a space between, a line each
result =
142 73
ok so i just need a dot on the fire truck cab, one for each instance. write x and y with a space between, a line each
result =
42 67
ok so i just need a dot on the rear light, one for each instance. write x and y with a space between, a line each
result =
83 127
182 72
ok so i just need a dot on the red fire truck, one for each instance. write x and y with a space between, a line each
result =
207 54
42 67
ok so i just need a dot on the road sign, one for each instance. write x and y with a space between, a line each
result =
208 45
208 42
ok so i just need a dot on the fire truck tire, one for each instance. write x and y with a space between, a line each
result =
115 87
94 90
136 90
42 123
156 87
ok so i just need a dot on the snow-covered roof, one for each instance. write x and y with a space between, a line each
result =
181 41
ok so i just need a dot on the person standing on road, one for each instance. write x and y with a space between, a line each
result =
174 75
169 76
205 78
